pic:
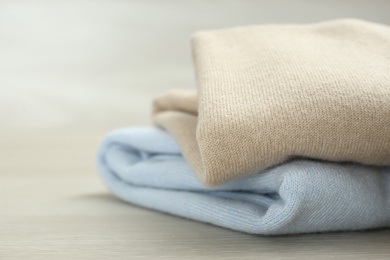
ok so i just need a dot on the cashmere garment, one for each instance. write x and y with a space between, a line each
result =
144 166
266 94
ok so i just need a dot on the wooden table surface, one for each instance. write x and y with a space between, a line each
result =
53 206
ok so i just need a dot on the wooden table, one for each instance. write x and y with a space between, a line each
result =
53 206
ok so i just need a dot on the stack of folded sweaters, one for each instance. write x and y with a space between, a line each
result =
288 132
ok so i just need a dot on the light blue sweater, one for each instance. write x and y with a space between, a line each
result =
144 166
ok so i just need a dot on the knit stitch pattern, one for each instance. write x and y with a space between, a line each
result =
266 94
144 166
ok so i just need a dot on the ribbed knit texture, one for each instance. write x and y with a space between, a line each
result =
269 93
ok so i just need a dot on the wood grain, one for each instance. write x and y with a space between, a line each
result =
53 206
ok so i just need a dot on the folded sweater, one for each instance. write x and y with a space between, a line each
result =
144 166
266 94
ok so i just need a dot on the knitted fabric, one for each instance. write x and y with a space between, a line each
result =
144 166
270 93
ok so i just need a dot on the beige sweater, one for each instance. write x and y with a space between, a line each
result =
270 93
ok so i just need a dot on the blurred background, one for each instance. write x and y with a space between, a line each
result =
95 65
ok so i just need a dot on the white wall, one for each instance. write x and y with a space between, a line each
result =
96 64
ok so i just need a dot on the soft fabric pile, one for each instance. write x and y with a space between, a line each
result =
288 132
